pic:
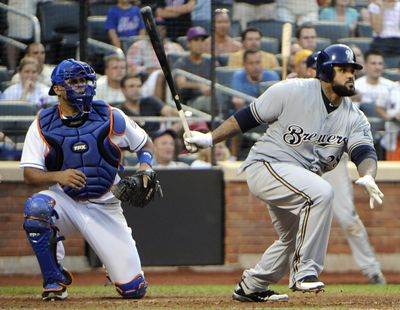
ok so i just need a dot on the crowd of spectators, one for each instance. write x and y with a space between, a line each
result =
135 83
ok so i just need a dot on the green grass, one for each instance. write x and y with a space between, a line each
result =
204 289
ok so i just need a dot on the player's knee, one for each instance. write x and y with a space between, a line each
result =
134 289
325 192
38 213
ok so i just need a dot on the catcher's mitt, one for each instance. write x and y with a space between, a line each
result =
131 189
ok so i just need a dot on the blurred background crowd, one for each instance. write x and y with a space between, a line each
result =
213 83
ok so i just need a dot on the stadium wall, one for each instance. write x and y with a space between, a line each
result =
248 230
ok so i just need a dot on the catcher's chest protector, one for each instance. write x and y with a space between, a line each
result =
86 147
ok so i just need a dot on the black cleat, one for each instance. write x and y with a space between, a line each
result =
263 296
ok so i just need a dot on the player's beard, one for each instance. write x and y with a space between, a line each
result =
343 90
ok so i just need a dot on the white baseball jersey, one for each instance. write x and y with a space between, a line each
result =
301 131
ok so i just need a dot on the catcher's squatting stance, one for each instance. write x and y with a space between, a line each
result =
75 148
312 122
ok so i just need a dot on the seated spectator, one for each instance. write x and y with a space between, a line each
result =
136 105
307 37
203 160
29 89
294 48
341 12
123 20
388 107
141 57
36 50
373 85
7 149
251 38
194 93
385 17
248 80
296 12
300 69
164 150
224 43
249 10
109 86
177 16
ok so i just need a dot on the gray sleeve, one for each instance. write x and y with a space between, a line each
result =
360 133
271 103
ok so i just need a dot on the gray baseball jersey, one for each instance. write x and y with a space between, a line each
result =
301 131
283 169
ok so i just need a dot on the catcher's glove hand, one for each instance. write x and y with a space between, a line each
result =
131 189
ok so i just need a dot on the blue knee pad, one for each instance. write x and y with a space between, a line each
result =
134 289
39 223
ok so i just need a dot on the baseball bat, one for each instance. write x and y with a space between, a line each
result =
158 47
285 47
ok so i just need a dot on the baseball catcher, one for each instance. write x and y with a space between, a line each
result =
138 189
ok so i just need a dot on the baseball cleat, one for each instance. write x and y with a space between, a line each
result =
53 292
267 295
377 278
309 284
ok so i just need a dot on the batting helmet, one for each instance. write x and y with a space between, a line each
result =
73 69
335 55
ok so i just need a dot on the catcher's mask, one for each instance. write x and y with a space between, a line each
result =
79 81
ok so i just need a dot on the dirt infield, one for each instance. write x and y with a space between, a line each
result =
184 276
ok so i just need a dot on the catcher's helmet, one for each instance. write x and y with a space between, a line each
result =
72 69
335 55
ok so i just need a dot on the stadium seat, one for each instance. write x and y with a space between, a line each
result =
96 28
59 22
99 8
4 74
392 74
236 28
392 61
362 42
223 59
173 57
332 30
268 28
364 30
224 75
269 44
322 43
15 118
377 123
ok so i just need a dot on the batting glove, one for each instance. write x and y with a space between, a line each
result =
373 190
197 140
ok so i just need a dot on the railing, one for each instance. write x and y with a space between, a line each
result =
17 44
106 46
32 18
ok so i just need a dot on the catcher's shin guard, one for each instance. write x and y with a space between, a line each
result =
134 289
39 221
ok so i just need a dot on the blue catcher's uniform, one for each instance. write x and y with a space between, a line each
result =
89 142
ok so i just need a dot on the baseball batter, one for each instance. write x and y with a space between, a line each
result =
75 148
311 124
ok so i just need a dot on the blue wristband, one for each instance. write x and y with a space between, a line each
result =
145 157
